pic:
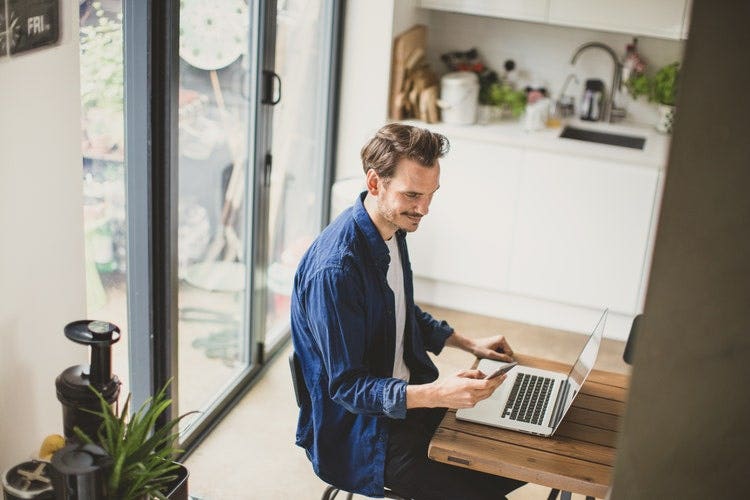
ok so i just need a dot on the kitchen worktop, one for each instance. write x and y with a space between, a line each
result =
512 133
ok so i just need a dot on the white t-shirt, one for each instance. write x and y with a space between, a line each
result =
395 279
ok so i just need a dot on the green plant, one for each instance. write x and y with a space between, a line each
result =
665 84
661 88
503 95
102 83
142 455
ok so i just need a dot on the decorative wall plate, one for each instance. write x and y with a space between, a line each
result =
213 34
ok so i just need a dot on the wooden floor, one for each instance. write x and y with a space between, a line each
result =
251 453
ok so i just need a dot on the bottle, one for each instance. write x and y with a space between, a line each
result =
586 105
632 63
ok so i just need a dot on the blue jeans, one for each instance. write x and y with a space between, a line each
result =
409 473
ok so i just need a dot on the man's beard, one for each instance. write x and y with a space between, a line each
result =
392 217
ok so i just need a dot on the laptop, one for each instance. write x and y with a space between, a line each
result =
533 400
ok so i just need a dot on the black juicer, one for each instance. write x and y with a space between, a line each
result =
75 383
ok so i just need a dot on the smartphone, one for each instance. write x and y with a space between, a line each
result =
501 370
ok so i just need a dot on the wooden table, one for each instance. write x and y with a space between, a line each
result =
578 458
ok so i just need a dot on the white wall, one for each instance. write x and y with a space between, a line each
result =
42 281
365 77
369 30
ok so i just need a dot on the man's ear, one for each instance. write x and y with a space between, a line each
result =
372 181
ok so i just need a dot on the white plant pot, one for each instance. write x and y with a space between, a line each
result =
666 118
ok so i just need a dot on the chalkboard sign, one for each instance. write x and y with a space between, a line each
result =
31 24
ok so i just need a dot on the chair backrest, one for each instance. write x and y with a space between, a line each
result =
298 381
627 354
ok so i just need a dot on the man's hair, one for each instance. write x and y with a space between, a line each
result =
396 141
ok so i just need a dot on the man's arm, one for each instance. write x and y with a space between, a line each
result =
463 390
492 347
467 388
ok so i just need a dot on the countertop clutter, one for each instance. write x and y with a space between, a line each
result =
512 133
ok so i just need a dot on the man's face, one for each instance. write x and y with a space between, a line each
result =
405 198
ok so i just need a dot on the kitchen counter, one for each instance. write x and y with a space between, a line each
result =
511 133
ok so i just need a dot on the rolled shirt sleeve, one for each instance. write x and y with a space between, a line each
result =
434 332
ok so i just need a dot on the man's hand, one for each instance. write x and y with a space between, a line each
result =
496 347
463 390
493 348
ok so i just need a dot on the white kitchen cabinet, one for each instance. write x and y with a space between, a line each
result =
524 10
662 19
466 237
582 230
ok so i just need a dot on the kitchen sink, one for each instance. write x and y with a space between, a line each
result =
582 134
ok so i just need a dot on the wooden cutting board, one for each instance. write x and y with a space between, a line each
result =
404 45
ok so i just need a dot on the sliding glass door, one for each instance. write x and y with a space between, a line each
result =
300 148
214 228
256 84
235 187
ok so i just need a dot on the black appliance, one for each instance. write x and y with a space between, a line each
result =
74 384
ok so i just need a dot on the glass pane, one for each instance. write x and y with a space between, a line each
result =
102 148
299 132
213 131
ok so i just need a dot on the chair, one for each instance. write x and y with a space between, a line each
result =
564 495
300 392
627 354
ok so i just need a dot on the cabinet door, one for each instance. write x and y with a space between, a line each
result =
525 10
466 237
582 231
645 17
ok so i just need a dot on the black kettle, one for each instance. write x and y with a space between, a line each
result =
593 100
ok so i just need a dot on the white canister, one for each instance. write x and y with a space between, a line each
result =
536 115
459 96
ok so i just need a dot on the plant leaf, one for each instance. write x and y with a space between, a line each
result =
142 454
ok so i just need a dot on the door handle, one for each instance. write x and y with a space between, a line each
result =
268 165
269 96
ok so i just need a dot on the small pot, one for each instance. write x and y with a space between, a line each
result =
178 489
666 118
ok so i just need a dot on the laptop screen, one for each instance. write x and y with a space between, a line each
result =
580 370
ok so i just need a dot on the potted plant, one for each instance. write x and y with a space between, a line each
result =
662 89
142 455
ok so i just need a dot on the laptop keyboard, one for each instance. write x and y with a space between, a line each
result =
528 398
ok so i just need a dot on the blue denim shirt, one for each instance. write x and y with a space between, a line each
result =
344 331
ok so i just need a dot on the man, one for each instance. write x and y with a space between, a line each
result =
375 400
